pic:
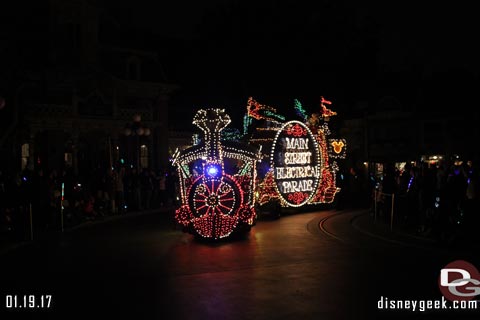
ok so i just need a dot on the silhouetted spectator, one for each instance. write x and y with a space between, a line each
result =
389 187
136 190
162 188
110 189
427 186
146 185
119 190
452 199
354 187
40 200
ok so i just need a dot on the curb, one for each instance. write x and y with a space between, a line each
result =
117 217
14 246
395 236
399 236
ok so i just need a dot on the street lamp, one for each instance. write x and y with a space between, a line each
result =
136 130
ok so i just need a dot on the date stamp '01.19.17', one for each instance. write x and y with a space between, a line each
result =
28 301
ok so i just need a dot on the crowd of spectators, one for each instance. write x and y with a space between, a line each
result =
44 200
439 200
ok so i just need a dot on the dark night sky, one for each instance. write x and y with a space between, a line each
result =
348 51
221 52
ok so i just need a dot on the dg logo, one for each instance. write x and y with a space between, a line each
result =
459 280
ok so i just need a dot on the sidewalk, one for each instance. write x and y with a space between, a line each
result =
10 245
409 235
114 217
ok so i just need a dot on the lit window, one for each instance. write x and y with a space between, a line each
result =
25 155
144 156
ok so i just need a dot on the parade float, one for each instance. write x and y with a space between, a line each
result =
227 176
298 165
216 181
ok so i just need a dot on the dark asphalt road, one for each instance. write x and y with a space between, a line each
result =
302 266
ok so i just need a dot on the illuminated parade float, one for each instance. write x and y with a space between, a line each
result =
298 165
217 180
225 179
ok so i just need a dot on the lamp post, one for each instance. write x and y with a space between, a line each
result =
136 130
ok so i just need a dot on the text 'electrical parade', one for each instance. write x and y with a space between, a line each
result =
295 163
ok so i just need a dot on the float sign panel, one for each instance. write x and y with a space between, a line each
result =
295 161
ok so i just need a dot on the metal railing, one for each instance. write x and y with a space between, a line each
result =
379 194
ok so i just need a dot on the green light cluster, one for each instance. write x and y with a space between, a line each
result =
299 110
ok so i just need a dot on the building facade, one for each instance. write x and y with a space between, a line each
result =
85 99
393 133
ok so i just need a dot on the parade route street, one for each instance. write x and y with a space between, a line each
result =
315 265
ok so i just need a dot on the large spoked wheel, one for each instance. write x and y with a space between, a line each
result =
214 197
214 204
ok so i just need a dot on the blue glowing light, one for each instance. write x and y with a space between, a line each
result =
213 170
409 184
